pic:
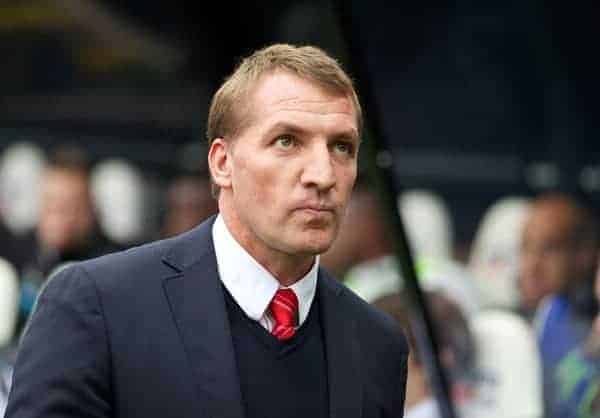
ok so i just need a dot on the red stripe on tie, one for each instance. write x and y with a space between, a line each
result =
283 305
284 309
284 297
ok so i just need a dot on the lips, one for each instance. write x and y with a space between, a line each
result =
318 218
318 207
316 210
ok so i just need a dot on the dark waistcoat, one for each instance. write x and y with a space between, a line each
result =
280 378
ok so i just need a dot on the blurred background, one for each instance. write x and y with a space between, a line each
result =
487 110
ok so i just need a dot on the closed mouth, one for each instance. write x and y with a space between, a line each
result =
316 209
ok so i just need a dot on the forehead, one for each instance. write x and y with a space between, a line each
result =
281 92
64 181
551 221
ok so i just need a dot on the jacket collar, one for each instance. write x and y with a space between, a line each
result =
191 247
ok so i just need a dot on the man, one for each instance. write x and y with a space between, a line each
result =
558 264
234 318
577 375
558 251
67 229
364 236
188 202
457 354
365 257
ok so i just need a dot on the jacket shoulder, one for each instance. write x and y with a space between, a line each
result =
372 323
142 265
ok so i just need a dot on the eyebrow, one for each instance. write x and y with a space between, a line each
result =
299 130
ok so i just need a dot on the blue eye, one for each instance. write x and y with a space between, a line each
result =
344 148
285 141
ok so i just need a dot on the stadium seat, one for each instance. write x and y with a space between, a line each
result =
428 223
21 169
494 255
118 190
508 359
9 302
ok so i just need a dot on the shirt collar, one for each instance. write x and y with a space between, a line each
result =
249 283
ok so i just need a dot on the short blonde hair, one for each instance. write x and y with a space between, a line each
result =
226 119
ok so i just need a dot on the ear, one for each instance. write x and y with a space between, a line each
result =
219 163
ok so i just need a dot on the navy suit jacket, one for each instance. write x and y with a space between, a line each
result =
145 333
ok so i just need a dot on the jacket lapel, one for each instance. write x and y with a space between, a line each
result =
341 346
198 307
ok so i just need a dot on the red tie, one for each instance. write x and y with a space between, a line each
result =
284 308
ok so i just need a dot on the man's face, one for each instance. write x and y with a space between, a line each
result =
290 172
548 255
66 215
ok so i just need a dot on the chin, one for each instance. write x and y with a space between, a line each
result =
317 246
308 241
320 249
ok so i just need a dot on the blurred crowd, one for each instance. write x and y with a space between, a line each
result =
517 322
59 206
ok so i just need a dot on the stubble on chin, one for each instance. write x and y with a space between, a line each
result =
322 237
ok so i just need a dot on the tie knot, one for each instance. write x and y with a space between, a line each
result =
284 309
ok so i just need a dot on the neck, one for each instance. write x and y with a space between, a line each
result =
418 391
286 268
287 272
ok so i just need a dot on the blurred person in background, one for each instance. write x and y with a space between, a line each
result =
456 349
558 263
497 375
577 376
420 402
363 236
558 254
363 252
67 230
189 202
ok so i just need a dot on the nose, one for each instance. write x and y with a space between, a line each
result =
530 262
318 170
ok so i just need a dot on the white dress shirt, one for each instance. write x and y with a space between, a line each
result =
250 284
425 409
